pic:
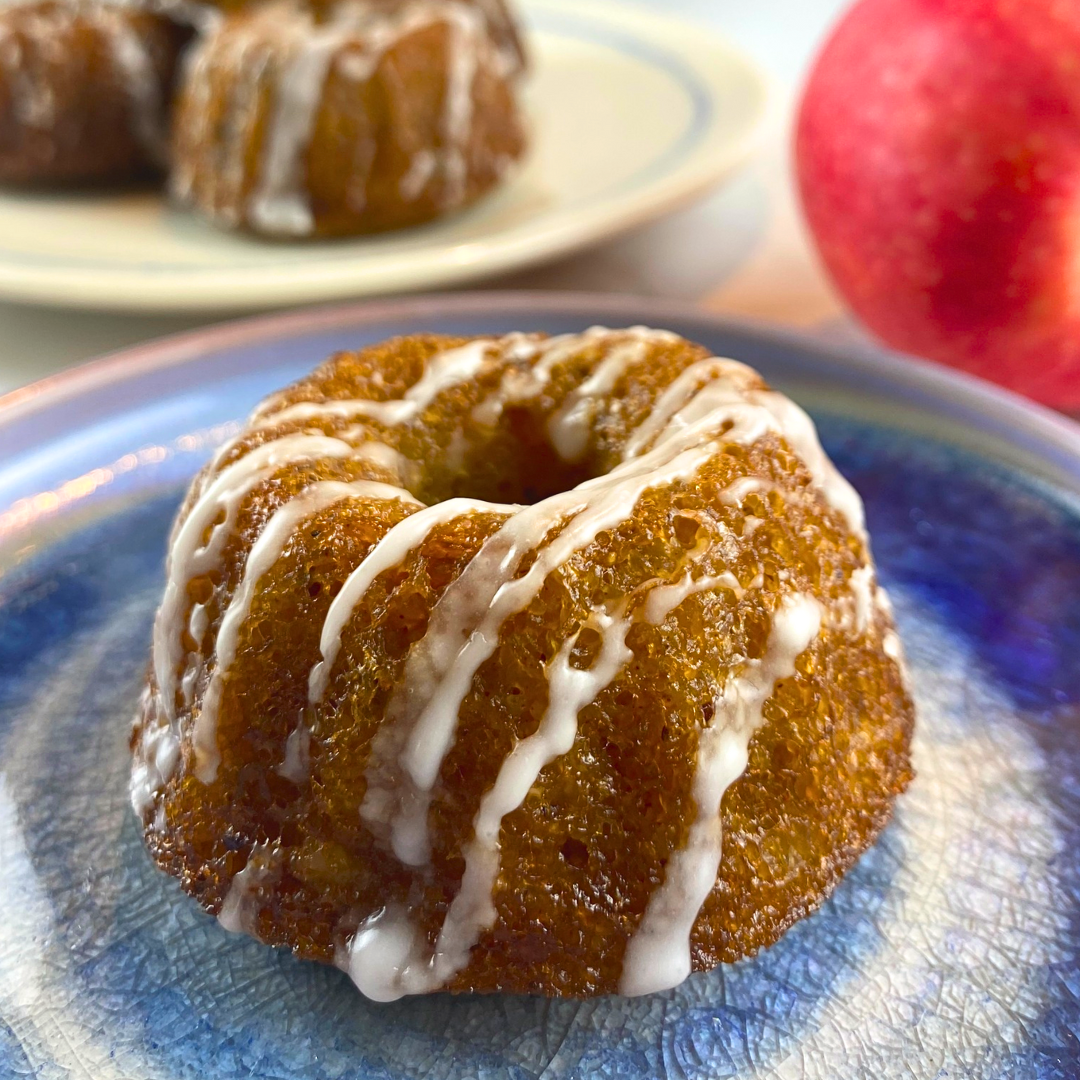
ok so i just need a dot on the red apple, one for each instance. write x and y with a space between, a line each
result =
938 156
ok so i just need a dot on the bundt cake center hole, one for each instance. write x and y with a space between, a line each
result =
523 468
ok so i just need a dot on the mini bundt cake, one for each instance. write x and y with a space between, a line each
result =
345 118
541 665
85 91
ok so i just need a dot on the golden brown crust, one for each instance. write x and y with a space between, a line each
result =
85 90
390 142
582 855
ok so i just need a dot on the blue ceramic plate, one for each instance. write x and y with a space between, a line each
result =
950 951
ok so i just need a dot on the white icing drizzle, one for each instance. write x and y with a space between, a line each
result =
545 355
883 602
891 644
217 506
456 451
422 168
801 435
191 676
249 55
570 426
297 762
392 550
464 627
664 599
738 377
32 101
264 553
383 456
391 461
198 623
198 90
443 372
570 690
862 586
388 958
158 757
392 959
658 954
245 53
710 384
464 631
238 908
234 914
501 25
462 63
737 490
280 203
519 385
385 956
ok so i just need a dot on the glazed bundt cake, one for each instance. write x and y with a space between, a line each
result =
85 88
343 118
529 664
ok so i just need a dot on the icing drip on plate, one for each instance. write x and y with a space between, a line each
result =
238 909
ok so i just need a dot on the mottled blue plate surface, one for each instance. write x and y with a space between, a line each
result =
950 951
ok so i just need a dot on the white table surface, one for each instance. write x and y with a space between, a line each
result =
742 251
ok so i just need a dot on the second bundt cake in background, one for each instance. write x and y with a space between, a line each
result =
346 118
85 91
542 665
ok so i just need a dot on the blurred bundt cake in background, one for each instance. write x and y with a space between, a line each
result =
345 118
284 118
85 91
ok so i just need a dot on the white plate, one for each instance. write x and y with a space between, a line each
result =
633 115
